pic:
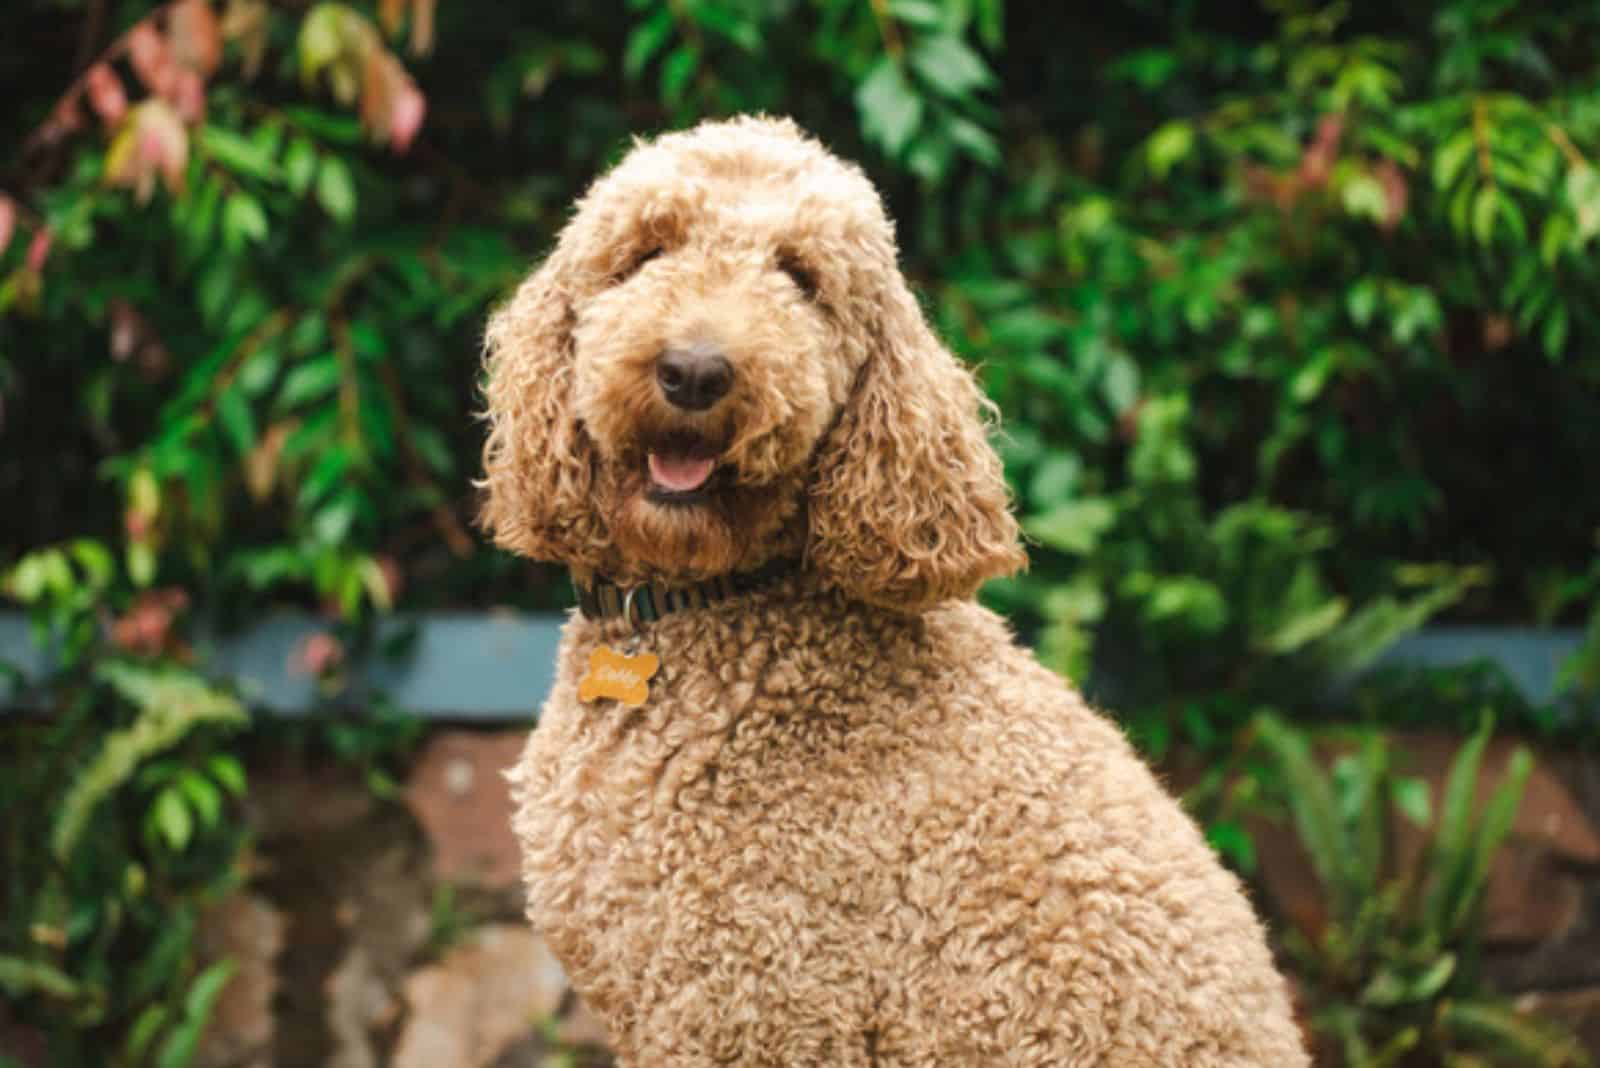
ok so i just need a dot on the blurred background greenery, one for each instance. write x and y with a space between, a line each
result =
1290 308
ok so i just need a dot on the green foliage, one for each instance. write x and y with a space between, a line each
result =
132 797
1289 310
1391 972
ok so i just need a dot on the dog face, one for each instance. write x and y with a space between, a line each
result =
720 364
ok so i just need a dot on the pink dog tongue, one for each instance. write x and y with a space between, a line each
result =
680 474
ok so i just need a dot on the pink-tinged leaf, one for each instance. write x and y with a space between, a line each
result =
380 81
196 37
189 96
245 21
405 117
422 12
150 58
8 221
165 142
106 95
152 142
1396 193
1317 162
318 655
126 329
39 249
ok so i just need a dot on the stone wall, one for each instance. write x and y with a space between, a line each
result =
389 933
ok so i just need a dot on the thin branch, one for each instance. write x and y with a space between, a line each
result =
448 523
1480 133
1574 155
43 134
91 34
888 29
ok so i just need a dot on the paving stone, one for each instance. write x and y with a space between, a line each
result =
360 1002
249 931
484 996
459 795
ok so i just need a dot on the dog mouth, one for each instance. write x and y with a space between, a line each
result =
681 469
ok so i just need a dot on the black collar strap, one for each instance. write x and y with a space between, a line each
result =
652 600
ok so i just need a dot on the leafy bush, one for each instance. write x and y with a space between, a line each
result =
1392 978
1288 309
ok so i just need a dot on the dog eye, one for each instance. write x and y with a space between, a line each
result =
799 273
639 261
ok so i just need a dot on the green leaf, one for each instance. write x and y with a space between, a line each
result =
890 108
300 165
946 63
1389 988
645 41
237 420
1362 301
239 154
226 769
676 71
1307 626
974 140
310 381
1075 527
1554 334
1411 797
1499 1028
243 220
179 1048
1316 816
203 796
170 816
1168 147
144 1031
20 977
1485 209
1451 158
920 13
141 563
336 189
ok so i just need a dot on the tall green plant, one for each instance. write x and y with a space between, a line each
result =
1392 977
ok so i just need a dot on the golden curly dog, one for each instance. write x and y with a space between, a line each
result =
796 799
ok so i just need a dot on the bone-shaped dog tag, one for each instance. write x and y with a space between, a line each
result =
624 678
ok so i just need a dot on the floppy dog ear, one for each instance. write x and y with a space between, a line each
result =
538 464
908 504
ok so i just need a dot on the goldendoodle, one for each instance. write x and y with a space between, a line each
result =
796 799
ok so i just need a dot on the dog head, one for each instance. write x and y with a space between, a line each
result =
719 364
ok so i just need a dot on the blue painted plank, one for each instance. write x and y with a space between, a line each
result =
499 666
496 666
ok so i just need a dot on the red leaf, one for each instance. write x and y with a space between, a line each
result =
196 37
189 96
246 22
151 58
8 221
106 94
405 116
380 78
1317 162
39 249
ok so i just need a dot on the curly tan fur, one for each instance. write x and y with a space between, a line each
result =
853 823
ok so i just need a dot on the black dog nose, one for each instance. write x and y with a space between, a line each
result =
695 377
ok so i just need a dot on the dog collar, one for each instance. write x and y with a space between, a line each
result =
649 601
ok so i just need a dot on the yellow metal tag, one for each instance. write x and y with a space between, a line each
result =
624 678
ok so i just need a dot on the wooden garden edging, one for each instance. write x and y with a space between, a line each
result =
499 666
